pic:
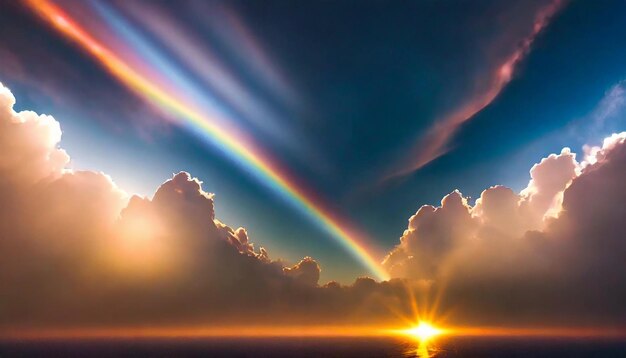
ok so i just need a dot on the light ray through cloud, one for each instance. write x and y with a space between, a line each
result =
212 73
242 42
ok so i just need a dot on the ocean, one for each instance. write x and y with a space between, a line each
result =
316 347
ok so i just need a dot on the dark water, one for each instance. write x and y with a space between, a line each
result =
316 347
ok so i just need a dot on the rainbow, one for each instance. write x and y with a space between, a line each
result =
235 144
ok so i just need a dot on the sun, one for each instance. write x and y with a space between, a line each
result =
424 331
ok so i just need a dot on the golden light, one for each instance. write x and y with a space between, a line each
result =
141 248
424 331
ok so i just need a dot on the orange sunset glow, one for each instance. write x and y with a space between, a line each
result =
238 178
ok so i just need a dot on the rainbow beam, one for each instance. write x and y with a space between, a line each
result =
237 146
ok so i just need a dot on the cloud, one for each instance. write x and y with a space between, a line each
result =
76 251
489 85
551 254
605 118
613 102
306 271
28 142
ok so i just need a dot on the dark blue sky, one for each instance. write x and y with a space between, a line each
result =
346 90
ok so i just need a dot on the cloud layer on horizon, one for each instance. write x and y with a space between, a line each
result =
76 250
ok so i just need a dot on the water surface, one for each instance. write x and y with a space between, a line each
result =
316 347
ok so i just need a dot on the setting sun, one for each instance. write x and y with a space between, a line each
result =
424 331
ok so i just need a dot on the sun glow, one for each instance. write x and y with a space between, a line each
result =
424 331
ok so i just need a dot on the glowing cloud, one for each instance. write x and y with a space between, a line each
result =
552 250
76 253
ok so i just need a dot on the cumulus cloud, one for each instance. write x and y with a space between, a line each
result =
71 238
76 250
435 232
306 271
28 142
551 253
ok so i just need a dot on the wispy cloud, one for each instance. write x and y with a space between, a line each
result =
613 103
435 142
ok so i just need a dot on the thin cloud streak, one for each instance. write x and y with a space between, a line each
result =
215 76
240 39
435 142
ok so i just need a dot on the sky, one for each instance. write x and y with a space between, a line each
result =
322 127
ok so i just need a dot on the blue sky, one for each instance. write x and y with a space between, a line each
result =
338 93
